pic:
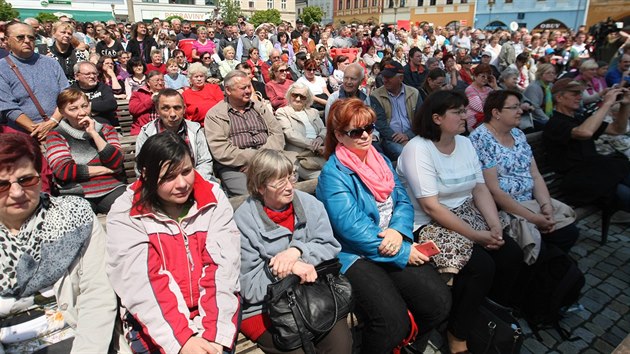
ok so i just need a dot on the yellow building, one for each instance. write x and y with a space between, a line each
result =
600 10
356 11
443 12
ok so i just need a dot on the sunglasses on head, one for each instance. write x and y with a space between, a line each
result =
358 132
26 181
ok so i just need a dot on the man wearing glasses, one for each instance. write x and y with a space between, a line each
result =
44 76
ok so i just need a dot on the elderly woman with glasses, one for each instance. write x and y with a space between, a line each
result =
279 84
283 231
304 131
229 63
316 84
201 95
52 260
141 104
454 209
371 216
483 83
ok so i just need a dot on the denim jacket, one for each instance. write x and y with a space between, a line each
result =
354 215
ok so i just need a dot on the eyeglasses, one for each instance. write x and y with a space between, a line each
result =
311 69
290 179
90 73
467 62
24 182
298 95
514 108
204 58
282 70
22 37
358 132
459 111
179 56
272 58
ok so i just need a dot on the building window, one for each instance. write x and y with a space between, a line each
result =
340 5
403 3
365 3
508 1
374 2
449 2
251 4
356 4
432 3
464 1
420 3
348 4
283 4
150 0
270 4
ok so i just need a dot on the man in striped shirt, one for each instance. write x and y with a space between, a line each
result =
236 128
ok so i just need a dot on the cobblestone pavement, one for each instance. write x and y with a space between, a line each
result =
605 320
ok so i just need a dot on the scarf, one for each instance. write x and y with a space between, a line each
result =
548 103
80 144
46 245
284 217
374 173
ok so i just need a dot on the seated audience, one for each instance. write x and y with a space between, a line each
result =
483 83
229 63
85 156
435 81
201 95
454 209
141 104
173 78
511 174
568 137
107 74
279 84
304 131
371 217
302 238
340 62
156 62
53 263
100 96
137 78
539 93
316 84
170 107
236 128
174 255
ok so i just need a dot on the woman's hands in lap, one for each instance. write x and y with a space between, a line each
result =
492 240
416 257
392 240
198 345
282 263
305 271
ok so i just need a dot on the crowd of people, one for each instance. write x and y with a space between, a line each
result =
414 135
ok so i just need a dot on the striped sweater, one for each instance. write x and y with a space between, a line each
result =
70 151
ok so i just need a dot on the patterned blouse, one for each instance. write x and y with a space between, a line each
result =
512 163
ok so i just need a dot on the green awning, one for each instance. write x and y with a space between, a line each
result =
80 16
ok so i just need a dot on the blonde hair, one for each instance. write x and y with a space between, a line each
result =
64 25
266 165
228 48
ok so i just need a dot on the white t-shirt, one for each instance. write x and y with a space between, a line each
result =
425 172
316 87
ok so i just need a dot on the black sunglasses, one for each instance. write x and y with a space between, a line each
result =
358 132
26 181
296 95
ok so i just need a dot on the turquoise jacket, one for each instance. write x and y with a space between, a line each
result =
354 215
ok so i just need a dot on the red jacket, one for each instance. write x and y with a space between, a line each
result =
141 108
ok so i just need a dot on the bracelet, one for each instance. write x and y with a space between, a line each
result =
54 120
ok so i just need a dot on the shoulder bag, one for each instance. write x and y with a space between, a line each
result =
496 331
27 88
301 314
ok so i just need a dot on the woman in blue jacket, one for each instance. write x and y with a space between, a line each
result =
372 218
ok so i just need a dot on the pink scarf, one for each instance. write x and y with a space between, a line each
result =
374 172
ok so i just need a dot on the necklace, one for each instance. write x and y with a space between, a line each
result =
504 139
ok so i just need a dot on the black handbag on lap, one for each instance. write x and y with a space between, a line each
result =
496 331
301 314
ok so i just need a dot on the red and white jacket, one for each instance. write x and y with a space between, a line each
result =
177 279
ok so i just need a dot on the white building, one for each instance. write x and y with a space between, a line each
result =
286 8
80 10
326 6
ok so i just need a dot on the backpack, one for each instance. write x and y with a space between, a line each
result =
553 282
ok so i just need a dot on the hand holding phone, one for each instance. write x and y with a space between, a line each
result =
428 248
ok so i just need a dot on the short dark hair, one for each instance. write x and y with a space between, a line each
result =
413 51
159 150
167 92
496 100
133 62
436 103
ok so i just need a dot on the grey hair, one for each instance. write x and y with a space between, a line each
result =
588 64
77 67
228 81
356 66
507 73
266 165
156 51
300 86
197 68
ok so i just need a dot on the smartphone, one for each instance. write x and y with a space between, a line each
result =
428 248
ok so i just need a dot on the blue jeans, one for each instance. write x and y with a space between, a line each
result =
391 149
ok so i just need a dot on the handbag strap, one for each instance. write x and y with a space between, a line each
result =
307 343
17 72
330 281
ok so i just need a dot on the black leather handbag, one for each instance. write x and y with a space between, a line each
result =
496 331
301 314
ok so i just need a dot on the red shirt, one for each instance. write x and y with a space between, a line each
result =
151 67
198 103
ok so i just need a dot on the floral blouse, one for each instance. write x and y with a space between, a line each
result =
512 163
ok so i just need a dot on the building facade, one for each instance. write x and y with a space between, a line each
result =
357 11
452 13
286 8
326 6
533 14
600 10
80 10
